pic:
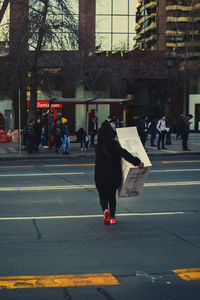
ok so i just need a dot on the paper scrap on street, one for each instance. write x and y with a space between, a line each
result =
133 177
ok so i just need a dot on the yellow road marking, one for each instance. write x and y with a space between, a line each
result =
45 281
180 161
15 167
188 274
69 165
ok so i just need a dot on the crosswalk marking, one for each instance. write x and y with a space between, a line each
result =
90 216
42 174
90 186
82 173
47 281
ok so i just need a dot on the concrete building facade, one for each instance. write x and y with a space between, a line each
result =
173 26
100 64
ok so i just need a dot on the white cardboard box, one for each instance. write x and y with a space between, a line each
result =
133 177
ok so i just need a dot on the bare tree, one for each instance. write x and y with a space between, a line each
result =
40 30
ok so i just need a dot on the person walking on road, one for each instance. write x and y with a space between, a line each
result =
108 172
161 127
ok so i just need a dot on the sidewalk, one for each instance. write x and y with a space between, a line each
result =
10 151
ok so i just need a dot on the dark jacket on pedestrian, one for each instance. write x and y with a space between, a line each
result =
108 159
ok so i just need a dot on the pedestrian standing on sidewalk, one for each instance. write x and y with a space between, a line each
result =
57 135
30 136
38 133
65 136
153 131
185 129
161 127
83 138
92 130
143 127
108 172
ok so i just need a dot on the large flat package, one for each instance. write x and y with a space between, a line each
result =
133 177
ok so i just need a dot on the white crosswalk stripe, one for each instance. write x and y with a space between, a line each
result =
91 216
91 186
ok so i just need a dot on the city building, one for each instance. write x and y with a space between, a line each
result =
85 53
173 26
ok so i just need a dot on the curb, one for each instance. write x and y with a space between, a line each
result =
87 156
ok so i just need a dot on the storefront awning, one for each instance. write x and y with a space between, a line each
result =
89 100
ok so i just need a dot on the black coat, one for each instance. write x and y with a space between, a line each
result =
108 161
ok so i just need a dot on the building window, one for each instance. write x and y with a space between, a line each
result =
60 24
4 31
115 24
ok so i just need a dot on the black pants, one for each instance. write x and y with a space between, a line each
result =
30 144
107 195
92 136
185 139
161 138
143 138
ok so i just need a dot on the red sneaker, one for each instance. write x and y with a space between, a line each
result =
112 221
106 219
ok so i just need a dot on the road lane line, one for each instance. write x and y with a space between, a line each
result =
180 161
15 167
42 174
177 183
174 170
54 281
82 173
69 165
188 274
90 216
46 188
90 186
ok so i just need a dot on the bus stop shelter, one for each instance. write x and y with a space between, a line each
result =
97 101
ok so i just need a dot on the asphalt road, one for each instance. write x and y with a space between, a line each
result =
51 224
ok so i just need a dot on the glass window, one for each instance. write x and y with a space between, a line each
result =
103 7
103 41
120 42
74 6
120 24
103 23
131 41
59 34
131 24
120 7
132 7
4 26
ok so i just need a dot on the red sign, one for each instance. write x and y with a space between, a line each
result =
45 104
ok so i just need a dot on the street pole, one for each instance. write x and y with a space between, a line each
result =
19 131
169 60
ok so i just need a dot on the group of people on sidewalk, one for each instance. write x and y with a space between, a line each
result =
152 127
36 133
